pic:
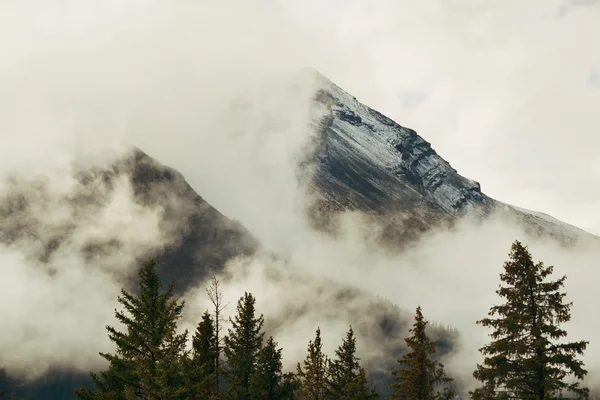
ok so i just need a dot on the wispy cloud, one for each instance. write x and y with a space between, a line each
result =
203 86
571 5
594 78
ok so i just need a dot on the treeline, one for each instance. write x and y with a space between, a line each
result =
151 360
526 358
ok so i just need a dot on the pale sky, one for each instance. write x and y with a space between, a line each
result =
508 92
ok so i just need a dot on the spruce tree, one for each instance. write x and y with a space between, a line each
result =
314 377
149 359
525 359
347 380
202 364
420 377
291 386
266 381
361 389
242 347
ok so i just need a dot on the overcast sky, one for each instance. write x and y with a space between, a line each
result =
508 92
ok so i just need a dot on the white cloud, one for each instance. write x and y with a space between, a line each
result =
502 91
505 87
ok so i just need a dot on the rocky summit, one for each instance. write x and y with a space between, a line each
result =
362 160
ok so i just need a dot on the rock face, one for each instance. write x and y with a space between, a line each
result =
362 160
207 239
359 160
198 238
202 240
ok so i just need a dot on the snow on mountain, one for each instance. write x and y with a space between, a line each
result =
365 161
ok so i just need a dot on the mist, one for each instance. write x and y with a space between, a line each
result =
452 274
220 92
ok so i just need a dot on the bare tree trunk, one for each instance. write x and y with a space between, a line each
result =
216 297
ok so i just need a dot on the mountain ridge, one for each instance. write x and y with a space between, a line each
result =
359 160
362 160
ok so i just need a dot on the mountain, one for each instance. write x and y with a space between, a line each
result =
202 242
358 160
361 160
200 238
207 239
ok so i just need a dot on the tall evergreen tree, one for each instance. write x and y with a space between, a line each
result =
267 380
203 361
347 380
420 377
242 347
525 360
150 354
314 377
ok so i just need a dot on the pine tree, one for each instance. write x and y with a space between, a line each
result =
172 365
242 347
202 364
150 354
420 376
314 377
524 360
361 388
347 380
291 386
266 381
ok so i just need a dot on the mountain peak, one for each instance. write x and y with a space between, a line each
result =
365 161
401 157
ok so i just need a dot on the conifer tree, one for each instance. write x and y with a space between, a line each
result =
172 365
525 359
267 381
291 386
150 354
203 361
420 376
361 389
314 377
242 347
347 380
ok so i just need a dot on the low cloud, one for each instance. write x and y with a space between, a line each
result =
209 88
452 274
65 254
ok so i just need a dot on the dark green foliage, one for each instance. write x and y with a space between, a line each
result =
150 355
313 379
347 380
420 376
525 360
3 395
202 365
291 386
267 380
242 347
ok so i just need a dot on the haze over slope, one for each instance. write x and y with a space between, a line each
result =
365 161
81 76
333 267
